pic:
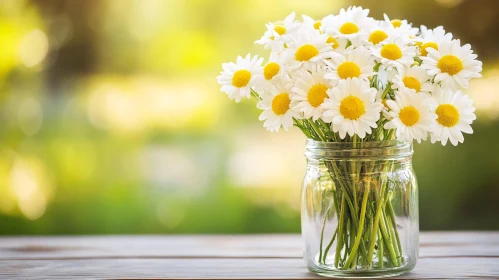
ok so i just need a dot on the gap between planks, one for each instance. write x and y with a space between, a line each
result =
206 257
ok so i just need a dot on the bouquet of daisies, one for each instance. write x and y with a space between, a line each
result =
351 76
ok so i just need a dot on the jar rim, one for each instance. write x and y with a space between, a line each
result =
349 150
358 145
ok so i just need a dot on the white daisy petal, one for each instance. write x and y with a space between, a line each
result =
452 109
394 53
355 111
351 24
276 105
453 65
307 48
278 33
414 79
238 78
411 116
356 63
310 92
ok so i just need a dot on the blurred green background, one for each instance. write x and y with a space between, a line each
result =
111 120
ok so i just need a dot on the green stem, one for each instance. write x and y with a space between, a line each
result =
328 127
360 229
345 194
376 225
317 130
366 236
337 208
255 94
341 225
336 201
381 246
352 239
329 246
385 92
322 237
393 238
388 241
300 125
391 213
355 178
345 191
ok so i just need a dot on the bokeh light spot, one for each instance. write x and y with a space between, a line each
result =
34 48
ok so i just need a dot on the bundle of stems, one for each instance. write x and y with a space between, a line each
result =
362 203
366 219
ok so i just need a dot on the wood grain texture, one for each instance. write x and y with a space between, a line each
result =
443 255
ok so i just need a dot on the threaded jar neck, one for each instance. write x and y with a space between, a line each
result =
375 150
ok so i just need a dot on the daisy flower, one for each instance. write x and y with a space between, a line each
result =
310 22
377 34
379 31
415 79
356 63
454 65
410 116
311 91
431 38
454 112
306 48
395 53
276 107
271 70
238 78
339 45
352 108
277 33
351 24
327 22
401 27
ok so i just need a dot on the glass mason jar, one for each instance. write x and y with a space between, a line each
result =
360 209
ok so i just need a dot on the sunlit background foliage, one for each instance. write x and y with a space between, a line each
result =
111 120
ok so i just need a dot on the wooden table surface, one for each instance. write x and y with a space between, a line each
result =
443 255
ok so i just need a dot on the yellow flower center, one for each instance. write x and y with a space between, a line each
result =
241 78
333 42
352 107
349 28
450 64
377 36
447 115
411 82
317 24
424 46
270 70
317 94
280 104
409 115
280 29
396 23
391 51
348 70
306 52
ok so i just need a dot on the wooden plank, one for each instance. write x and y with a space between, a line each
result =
273 268
434 244
443 255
